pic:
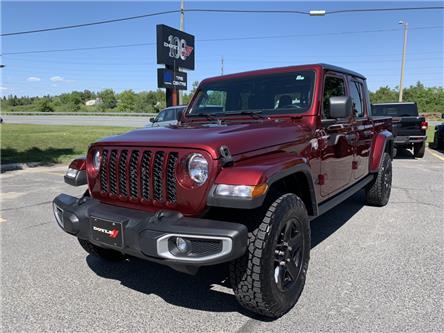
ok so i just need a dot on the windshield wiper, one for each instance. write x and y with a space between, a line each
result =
252 113
209 116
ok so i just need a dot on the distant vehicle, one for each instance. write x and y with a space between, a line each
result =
438 136
168 116
409 129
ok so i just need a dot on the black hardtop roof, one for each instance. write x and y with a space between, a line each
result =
341 70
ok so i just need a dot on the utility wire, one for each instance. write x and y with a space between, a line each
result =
218 40
197 10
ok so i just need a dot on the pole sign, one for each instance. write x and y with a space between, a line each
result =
167 78
175 48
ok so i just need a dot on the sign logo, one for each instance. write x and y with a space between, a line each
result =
178 48
111 233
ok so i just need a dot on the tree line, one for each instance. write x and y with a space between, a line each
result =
106 100
429 100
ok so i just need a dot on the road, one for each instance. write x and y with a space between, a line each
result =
371 269
78 120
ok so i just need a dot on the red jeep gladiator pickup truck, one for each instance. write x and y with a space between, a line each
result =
255 157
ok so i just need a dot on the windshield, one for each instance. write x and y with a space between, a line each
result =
168 114
395 110
270 94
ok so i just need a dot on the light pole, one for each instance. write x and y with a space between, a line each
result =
182 14
405 25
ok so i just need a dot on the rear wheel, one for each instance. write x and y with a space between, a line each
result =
419 149
270 277
378 192
99 252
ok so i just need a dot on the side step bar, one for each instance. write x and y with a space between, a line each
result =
344 195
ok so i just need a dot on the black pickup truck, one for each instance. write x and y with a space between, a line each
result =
409 129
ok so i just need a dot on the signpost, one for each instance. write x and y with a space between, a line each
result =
175 49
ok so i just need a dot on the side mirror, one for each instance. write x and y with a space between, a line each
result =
341 107
179 115
152 120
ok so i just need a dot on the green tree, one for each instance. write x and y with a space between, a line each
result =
187 97
384 95
44 105
127 101
109 99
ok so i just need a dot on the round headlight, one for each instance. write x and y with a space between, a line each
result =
96 160
198 168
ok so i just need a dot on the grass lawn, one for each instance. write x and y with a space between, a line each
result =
49 143
430 133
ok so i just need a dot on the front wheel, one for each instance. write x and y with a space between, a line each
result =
270 277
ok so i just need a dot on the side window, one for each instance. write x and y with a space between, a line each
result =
170 115
333 86
356 95
161 116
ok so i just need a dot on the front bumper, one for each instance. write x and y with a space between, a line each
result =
151 235
404 140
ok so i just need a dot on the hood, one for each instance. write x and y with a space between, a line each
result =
240 138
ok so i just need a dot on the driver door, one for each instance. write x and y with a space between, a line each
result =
337 153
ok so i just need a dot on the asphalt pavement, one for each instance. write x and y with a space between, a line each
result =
371 269
127 121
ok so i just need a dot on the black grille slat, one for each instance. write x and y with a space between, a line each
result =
171 177
139 174
158 175
104 171
134 188
112 172
146 179
122 173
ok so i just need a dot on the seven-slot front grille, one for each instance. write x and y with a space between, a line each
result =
139 174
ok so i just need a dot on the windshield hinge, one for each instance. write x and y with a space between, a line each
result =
225 156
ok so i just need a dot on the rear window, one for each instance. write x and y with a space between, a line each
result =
395 110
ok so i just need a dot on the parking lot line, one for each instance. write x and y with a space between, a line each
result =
436 155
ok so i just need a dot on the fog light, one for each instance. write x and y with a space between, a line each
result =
182 245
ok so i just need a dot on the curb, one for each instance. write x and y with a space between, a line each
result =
20 166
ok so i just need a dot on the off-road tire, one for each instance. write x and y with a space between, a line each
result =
419 149
378 191
252 276
99 252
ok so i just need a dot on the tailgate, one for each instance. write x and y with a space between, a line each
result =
406 126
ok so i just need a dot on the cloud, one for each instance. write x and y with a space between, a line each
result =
33 79
3 88
57 79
